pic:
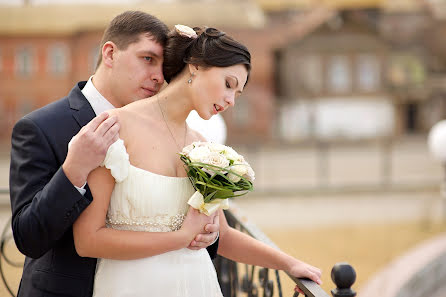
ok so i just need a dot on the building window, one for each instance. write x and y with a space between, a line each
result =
369 72
310 73
24 61
406 70
339 74
58 59
93 59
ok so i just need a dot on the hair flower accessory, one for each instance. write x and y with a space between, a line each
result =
186 31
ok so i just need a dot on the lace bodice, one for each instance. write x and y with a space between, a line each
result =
142 200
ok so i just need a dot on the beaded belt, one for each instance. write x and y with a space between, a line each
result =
160 223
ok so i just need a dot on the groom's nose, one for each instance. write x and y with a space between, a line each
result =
157 76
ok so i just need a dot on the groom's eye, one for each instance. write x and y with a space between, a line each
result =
149 59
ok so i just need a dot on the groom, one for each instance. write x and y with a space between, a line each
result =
48 182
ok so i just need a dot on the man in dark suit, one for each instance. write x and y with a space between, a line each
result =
48 180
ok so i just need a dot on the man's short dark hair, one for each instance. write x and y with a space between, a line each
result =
127 27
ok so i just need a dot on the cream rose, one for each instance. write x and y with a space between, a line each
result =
250 174
231 154
240 169
187 149
216 147
215 159
198 154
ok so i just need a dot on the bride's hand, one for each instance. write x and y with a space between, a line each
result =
194 223
208 236
301 269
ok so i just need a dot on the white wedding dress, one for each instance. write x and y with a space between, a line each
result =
148 202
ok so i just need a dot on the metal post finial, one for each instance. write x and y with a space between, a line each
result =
343 275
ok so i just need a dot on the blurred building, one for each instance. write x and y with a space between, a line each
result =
330 69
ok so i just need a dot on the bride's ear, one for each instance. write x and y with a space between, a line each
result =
193 68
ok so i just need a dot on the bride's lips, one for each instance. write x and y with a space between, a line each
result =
217 108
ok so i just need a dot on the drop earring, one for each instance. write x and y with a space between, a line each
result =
190 79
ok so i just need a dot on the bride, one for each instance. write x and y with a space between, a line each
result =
140 195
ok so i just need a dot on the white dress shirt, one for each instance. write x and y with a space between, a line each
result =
96 100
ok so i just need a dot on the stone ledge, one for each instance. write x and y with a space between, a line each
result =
419 272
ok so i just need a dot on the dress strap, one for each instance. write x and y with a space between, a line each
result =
117 160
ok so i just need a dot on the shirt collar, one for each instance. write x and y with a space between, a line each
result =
96 100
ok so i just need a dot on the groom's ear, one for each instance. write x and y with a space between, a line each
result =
108 50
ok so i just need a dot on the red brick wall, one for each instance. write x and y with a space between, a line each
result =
41 87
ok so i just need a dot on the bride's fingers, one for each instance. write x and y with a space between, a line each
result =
314 277
211 228
297 289
316 271
205 238
193 246
198 244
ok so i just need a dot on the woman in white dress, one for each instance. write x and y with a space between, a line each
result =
141 193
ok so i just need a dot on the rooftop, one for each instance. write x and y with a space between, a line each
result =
70 18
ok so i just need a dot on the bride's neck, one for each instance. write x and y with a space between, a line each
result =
174 101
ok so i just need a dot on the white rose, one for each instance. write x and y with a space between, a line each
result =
231 154
240 169
215 159
198 154
250 174
187 149
216 147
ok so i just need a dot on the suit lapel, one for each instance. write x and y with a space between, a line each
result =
82 113
82 110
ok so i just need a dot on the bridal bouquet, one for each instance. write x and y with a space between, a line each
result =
217 172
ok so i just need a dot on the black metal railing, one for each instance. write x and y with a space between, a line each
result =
235 279
246 280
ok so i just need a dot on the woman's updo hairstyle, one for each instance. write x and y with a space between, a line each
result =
210 48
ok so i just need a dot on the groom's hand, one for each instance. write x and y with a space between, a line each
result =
208 236
88 148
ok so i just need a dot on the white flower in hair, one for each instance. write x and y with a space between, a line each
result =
186 31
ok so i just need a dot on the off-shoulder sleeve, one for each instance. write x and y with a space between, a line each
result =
117 160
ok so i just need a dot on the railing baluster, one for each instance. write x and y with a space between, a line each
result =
310 288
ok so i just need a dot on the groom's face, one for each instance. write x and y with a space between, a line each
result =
137 70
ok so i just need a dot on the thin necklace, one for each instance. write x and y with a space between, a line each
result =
171 134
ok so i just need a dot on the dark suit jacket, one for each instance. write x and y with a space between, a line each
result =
44 202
